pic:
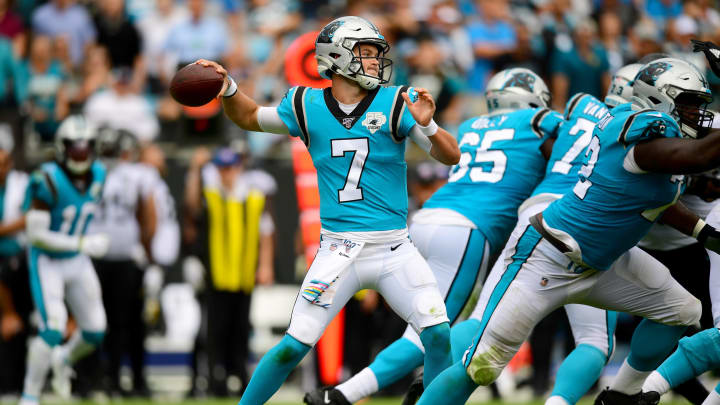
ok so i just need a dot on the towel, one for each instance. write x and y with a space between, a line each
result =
320 289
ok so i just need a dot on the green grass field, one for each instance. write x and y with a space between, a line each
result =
378 401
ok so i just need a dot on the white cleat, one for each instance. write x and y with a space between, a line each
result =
62 373
28 400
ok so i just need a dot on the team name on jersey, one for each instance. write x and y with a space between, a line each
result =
596 110
485 122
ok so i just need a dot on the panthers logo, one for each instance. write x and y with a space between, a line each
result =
651 73
326 35
523 80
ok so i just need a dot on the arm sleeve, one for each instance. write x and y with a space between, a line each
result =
37 225
407 121
270 121
420 139
288 114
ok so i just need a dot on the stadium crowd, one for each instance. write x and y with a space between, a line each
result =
112 61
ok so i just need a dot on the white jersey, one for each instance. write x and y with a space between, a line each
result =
126 185
166 241
664 237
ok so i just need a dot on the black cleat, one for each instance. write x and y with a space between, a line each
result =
414 392
325 396
612 397
649 398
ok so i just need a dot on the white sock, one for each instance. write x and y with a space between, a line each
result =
628 380
712 399
76 348
656 382
361 385
556 400
38 364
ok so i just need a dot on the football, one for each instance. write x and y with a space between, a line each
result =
195 85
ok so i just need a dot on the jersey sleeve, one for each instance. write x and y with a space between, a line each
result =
41 188
407 121
292 112
646 125
572 104
545 123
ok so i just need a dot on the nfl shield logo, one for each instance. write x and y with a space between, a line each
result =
348 122
333 247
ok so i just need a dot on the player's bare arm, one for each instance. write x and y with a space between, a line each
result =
444 146
240 108
679 156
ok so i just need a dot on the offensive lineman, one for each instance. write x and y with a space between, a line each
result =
576 251
466 222
355 132
63 198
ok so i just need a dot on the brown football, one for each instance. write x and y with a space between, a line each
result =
195 85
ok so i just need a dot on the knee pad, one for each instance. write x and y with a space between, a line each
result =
51 336
306 329
691 312
484 367
94 338
428 310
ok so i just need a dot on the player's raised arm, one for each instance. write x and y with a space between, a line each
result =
444 147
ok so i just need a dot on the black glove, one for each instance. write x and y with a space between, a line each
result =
710 238
711 51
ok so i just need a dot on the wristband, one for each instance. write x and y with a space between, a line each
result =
231 88
430 130
699 230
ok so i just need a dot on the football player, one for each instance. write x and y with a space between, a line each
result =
467 221
355 132
63 196
581 248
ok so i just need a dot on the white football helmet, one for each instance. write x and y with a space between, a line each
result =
677 88
75 144
515 89
621 90
334 51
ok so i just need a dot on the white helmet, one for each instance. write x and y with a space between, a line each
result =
677 88
515 89
75 144
334 51
621 90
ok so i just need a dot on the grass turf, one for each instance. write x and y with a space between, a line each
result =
376 401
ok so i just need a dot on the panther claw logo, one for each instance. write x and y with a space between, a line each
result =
523 80
651 73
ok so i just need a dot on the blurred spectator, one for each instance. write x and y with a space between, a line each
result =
425 179
491 36
707 16
200 36
12 27
663 10
557 26
645 38
154 29
624 10
95 75
7 72
122 40
40 88
120 108
236 254
584 68
529 52
68 23
613 41
681 31
445 25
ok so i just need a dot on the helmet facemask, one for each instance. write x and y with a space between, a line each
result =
691 112
356 70
79 155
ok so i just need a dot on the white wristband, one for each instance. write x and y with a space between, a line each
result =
430 130
231 88
698 227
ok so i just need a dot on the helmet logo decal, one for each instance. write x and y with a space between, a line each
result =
522 80
326 35
651 73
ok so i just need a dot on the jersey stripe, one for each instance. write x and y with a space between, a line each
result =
628 124
50 184
537 119
574 101
396 113
299 110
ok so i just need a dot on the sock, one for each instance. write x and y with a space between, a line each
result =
656 382
273 369
693 390
461 336
38 364
452 386
629 380
361 385
713 398
556 400
578 373
390 365
436 341
651 343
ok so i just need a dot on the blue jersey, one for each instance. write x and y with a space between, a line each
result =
359 157
581 113
611 208
500 165
70 209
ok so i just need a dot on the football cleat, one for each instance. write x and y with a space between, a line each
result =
612 397
325 396
649 398
414 392
62 373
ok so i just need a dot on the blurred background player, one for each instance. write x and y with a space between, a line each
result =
64 195
127 214
463 226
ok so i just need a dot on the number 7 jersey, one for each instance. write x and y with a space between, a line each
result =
359 157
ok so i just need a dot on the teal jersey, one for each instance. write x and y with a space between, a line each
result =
359 157
500 165
581 113
611 208
70 209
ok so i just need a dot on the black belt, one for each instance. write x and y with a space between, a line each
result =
536 222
